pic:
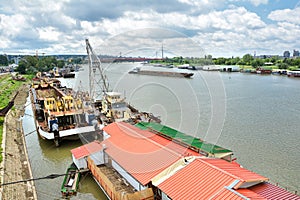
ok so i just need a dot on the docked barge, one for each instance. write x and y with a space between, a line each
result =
58 113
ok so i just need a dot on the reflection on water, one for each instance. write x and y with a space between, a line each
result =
261 123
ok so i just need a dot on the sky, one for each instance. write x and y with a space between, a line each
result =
193 28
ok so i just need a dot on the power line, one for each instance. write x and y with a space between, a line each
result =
29 133
51 176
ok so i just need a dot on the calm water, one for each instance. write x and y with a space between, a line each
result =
256 116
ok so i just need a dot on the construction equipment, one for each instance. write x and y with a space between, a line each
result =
98 83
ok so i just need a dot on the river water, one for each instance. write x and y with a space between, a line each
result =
256 116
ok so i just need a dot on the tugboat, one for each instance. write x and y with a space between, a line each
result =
113 108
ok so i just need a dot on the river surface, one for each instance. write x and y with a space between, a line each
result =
255 116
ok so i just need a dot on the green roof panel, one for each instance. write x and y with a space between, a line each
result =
183 138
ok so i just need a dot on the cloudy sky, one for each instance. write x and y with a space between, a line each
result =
141 27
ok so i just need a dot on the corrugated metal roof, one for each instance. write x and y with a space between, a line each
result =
86 150
205 178
273 192
240 194
196 181
240 173
135 151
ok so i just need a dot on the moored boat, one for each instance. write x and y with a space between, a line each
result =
293 74
69 75
263 71
71 181
59 114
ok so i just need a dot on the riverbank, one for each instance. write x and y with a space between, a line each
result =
15 165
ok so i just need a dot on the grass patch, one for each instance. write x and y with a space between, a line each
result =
9 88
246 67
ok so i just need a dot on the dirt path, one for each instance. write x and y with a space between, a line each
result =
15 165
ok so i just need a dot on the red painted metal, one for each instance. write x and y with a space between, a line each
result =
135 151
273 192
86 149
206 178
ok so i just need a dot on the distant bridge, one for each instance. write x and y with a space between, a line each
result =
128 59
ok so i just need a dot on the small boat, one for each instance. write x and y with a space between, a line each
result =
71 181
263 71
293 74
69 75
18 77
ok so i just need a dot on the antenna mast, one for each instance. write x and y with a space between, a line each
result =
98 83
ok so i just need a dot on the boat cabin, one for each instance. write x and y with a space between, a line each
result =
114 107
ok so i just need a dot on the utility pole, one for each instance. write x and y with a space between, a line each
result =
162 51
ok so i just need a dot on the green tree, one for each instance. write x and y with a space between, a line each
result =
247 58
257 63
77 60
60 63
219 61
283 65
235 61
3 60
22 67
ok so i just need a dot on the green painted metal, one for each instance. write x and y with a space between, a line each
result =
183 138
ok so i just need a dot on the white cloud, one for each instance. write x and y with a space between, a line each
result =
221 26
254 2
258 2
287 15
11 26
49 34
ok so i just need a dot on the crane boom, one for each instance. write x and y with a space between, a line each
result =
98 83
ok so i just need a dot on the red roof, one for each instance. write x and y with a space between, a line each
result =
240 194
273 192
205 178
152 137
86 150
135 151
245 175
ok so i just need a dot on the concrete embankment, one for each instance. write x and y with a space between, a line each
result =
15 165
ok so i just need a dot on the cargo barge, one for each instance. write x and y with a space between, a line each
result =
161 73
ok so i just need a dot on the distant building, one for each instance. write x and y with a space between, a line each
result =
286 54
295 53
266 56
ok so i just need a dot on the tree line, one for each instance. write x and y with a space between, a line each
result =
246 60
249 60
33 64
